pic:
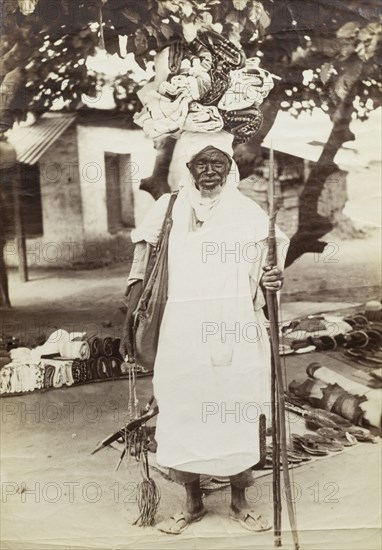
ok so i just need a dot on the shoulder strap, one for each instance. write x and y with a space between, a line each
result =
167 218
154 250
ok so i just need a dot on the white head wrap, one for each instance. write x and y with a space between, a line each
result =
192 143
189 145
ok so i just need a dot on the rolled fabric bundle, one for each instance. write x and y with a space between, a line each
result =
59 377
203 118
20 355
33 376
5 380
52 345
48 375
356 339
310 390
243 124
373 310
13 379
69 374
76 371
103 368
372 408
330 395
84 371
317 371
23 377
348 406
92 368
116 344
375 339
115 364
95 345
75 350
107 346
39 377
29 377
323 343
17 379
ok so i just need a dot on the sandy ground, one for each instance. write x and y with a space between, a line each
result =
55 494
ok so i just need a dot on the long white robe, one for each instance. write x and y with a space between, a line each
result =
212 370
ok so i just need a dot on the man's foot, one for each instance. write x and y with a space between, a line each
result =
178 523
250 519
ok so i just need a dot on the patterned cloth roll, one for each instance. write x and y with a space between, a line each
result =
115 363
116 344
243 124
107 346
76 371
95 344
103 367
91 368
48 376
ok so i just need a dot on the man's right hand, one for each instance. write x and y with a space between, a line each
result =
126 348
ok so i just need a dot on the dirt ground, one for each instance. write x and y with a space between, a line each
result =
56 495
90 300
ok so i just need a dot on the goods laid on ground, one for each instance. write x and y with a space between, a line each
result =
65 359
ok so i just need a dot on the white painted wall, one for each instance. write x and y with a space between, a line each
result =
93 142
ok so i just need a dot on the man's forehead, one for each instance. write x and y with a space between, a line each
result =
210 151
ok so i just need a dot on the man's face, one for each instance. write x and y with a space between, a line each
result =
209 168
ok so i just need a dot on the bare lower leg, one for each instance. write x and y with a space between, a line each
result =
194 503
238 500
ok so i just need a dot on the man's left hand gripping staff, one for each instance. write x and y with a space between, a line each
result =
126 347
272 279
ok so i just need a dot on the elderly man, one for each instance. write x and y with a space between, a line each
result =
212 369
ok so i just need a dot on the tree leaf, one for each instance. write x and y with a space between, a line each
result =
166 30
131 15
140 42
187 9
348 30
326 72
239 4
255 12
347 80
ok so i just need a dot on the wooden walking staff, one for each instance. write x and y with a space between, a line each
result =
279 436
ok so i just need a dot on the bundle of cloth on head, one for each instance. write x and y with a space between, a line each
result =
205 86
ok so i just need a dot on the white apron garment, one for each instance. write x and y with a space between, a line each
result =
212 370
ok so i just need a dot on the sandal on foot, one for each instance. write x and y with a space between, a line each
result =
251 520
178 523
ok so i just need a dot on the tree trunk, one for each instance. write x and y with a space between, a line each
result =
4 292
312 226
157 183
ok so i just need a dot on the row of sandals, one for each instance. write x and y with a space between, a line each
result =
359 338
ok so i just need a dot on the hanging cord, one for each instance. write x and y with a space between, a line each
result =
148 492
131 438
